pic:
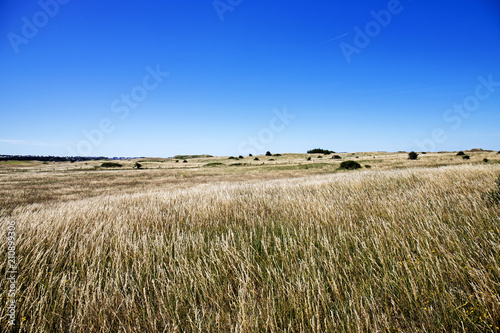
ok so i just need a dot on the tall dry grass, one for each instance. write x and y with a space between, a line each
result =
399 250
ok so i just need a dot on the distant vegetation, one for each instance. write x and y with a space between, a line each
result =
412 155
349 165
50 158
320 151
336 157
185 157
460 153
214 164
111 165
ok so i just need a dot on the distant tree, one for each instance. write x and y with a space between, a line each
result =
336 157
319 156
137 165
308 158
185 161
320 151
460 153
250 155
268 153
466 157
256 159
412 155
240 156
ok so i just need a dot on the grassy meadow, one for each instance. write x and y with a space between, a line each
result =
279 244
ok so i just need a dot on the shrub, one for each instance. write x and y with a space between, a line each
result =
277 154
424 152
250 155
272 159
466 157
213 164
485 160
240 156
232 158
256 159
336 157
309 158
460 153
176 161
237 164
111 165
412 155
368 166
268 153
320 156
137 165
185 161
349 165
320 151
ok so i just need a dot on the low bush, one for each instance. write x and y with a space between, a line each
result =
111 165
412 155
213 164
349 165
320 151
460 153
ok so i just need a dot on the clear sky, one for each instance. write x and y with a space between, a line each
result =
230 77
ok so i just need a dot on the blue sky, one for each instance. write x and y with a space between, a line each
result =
230 77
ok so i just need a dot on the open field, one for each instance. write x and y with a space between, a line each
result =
288 245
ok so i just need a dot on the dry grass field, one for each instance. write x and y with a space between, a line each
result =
281 246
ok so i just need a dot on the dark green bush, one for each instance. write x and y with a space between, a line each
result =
185 161
232 158
466 157
336 157
137 165
320 156
268 153
368 166
349 165
485 160
460 153
111 165
240 156
412 155
256 159
320 151
309 158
